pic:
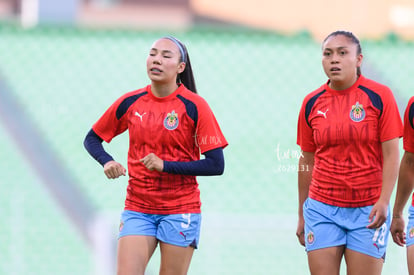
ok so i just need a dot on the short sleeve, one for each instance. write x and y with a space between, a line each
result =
208 132
408 138
304 132
390 121
109 124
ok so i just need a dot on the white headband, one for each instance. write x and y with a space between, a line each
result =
180 47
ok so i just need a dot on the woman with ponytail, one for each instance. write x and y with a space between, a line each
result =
348 130
169 125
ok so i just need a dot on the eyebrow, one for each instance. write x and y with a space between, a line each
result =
338 48
163 51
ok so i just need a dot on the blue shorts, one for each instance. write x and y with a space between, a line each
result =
329 226
410 227
177 229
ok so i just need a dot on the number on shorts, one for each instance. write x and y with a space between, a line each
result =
188 218
379 235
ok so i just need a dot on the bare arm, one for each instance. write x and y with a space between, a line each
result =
391 157
404 189
304 180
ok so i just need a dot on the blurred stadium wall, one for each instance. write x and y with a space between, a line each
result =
59 73
368 18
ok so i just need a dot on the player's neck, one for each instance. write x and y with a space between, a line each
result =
340 85
163 90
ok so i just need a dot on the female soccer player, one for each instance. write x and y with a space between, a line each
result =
404 190
349 132
169 126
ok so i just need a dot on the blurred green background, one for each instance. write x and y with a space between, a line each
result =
64 78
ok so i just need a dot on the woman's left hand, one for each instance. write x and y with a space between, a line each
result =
378 215
152 162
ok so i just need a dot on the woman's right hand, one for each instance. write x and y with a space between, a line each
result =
113 170
397 230
300 231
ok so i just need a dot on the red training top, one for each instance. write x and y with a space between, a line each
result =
177 127
408 138
345 130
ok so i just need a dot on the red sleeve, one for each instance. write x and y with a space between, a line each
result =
390 121
305 133
209 135
408 140
109 125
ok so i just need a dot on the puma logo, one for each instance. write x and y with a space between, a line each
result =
182 234
139 115
322 113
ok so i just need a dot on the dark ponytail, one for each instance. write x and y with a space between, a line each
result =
186 77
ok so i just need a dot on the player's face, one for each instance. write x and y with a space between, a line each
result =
163 62
340 60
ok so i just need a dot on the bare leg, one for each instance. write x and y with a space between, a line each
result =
410 259
361 264
325 261
175 260
134 253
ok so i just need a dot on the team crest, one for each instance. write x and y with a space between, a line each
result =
310 238
357 113
411 232
171 121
